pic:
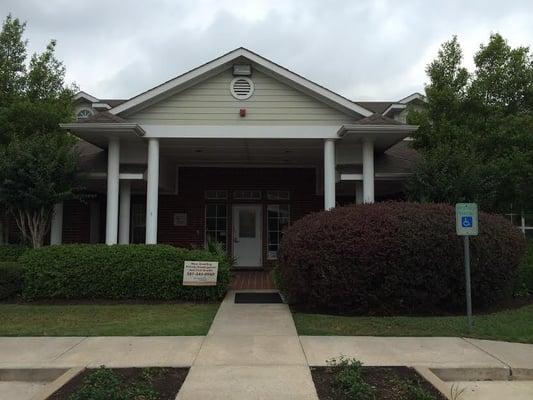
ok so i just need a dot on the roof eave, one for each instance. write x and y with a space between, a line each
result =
104 127
345 129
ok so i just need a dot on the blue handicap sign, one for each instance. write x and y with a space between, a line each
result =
467 222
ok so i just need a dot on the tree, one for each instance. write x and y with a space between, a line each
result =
37 158
476 130
36 172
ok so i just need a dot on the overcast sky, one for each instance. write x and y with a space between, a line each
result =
364 50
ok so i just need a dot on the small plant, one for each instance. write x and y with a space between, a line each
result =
413 391
456 392
348 381
104 384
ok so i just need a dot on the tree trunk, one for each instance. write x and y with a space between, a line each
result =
34 224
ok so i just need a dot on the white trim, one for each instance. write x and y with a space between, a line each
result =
375 128
98 105
86 96
104 127
122 176
222 62
394 107
242 131
385 176
411 97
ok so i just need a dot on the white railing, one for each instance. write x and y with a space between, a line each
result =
524 222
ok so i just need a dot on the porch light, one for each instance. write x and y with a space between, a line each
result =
242 70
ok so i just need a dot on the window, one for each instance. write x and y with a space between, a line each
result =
84 114
277 219
247 195
216 194
216 222
278 195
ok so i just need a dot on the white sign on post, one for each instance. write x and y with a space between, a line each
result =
466 225
200 273
466 219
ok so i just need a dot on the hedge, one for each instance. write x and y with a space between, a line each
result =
395 257
12 252
117 272
11 275
525 273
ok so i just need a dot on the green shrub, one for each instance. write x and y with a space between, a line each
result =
347 380
11 274
104 384
12 252
525 273
117 272
395 257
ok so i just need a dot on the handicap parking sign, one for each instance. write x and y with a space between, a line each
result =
466 218
466 222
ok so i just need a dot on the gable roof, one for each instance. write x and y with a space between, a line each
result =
223 62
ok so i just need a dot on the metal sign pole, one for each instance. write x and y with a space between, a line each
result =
467 280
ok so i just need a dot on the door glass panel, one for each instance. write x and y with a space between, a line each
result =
247 223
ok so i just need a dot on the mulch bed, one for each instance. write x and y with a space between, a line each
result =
383 379
166 382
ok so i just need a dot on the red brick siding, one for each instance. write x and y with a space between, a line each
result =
192 184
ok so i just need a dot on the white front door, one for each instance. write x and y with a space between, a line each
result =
247 228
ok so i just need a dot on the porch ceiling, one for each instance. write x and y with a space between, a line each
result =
243 151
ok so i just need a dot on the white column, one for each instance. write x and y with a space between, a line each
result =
56 228
329 174
368 171
124 213
152 191
113 171
358 192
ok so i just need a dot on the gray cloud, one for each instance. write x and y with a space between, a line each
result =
362 49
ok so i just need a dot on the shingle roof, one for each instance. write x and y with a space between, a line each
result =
113 102
378 119
375 106
103 117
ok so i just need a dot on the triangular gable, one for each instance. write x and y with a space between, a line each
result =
224 62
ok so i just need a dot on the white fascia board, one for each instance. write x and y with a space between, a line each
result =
98 105
383 176
411 97
375 128
87 96
197 73
103 175
242 132
104 127
394 107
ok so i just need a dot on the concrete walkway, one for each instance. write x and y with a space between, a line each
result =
252 351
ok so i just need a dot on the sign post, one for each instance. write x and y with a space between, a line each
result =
466 225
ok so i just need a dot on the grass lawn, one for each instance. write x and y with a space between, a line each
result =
512 325
106 320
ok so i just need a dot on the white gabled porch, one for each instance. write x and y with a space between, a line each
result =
158 152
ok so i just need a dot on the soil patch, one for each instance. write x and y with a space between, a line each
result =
165 381
385 380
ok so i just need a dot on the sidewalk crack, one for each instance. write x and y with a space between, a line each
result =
70 348
491 355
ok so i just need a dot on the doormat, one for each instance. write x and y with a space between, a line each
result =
257 298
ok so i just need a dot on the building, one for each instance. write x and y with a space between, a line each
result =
233 151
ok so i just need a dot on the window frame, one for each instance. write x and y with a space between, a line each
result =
279 231
226 217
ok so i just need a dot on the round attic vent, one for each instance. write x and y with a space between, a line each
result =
242 88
